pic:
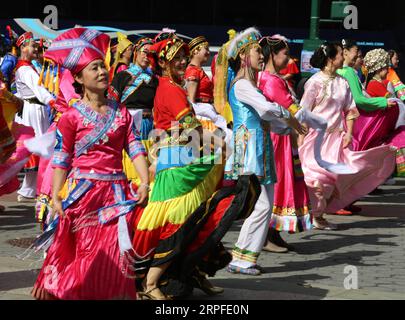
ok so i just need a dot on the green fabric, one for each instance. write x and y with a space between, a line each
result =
362 102
176 182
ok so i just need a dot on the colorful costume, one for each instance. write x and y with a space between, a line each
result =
13 153
253 117
204 98
185 218
90 251
66 95
291 210
330 97
378 127
399 86
36 99
136 88
119 65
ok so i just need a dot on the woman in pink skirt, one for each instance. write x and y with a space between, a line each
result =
328 95
291 208
91 256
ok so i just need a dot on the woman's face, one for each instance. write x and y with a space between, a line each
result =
395 61
177 66
94 77
142 59
281 59
338 60
256 58
383 73
203 54
127 54
31 49
350 56
359 61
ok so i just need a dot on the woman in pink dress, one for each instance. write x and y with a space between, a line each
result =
91 256
378 127
328 95
291 212
13 153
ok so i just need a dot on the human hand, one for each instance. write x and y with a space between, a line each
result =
293 123
57 207
347 140
391 104
143 194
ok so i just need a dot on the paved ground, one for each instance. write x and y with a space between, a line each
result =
372 242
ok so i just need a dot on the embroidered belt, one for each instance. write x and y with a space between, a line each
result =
35 100
76 174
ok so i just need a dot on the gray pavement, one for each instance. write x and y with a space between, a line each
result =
373 242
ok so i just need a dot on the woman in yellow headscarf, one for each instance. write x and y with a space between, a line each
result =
123 55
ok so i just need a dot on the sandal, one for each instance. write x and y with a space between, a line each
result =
251 271
322 224
149 296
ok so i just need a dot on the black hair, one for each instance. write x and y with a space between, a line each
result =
328 50
348 44
271 46
392 53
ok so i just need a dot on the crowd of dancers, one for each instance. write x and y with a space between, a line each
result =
139 162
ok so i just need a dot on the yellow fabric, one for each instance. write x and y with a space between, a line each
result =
293 109
177 210
128 166
123 44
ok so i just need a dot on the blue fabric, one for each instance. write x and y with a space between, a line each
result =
7 67
253 148
174 156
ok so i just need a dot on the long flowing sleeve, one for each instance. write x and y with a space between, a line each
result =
268 111
311 92
362 102
30 78
133 143
65 141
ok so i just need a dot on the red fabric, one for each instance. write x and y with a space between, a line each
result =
205 87
59 56
290 69
25 36
24 63
377 89
170 104
212 223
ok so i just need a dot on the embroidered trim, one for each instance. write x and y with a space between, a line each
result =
62 159
136 148
76 174
138 76
102 123
81 188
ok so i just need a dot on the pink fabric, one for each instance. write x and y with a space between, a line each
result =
290 191
86 264
372 129
330 99
122 67
45 171
66 94
104 158
9 170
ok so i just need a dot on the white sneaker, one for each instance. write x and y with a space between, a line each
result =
21 198
390 182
